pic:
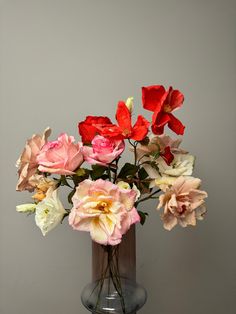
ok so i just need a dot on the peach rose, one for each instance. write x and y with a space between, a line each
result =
183 203
62 156
27 163
103 209
41 186
103 150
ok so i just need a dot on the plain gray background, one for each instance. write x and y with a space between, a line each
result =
63 60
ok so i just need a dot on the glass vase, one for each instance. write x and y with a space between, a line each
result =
114 288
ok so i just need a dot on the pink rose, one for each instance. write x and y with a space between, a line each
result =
27 162
103 150
103 209
183 203
61 157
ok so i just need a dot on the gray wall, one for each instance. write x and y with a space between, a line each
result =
62 60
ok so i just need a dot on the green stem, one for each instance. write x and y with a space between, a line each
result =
147 197
115 176
115 274
135 150
101 282
109 172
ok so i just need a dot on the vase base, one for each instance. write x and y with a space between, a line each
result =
103 298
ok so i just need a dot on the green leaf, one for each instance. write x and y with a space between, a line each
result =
142 216
81 175
97 171
142 174
81 172
127 170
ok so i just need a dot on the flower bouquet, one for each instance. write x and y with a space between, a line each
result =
105 194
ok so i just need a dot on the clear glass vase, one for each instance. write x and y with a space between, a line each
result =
114 288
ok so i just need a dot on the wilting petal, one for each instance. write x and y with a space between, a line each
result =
169 221
200 212
189 219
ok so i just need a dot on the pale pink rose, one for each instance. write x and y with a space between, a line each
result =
183 203
153 153
103 209
27 162
159 143
103 150
165 140
62 156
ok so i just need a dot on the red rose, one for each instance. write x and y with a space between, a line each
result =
87 128
163 103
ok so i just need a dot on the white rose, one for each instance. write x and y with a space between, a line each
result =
49 212
182 165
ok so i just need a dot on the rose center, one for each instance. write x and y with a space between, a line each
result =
182 209
126 132
103 206
104 146
46 211
167 108
52 145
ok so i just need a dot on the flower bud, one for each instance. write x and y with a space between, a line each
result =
130 103
26 208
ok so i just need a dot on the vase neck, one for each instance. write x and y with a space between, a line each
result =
124 253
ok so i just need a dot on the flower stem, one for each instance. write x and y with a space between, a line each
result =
115 176
109 172
135 151
147 197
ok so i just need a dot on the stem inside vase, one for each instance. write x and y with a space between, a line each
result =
114 289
